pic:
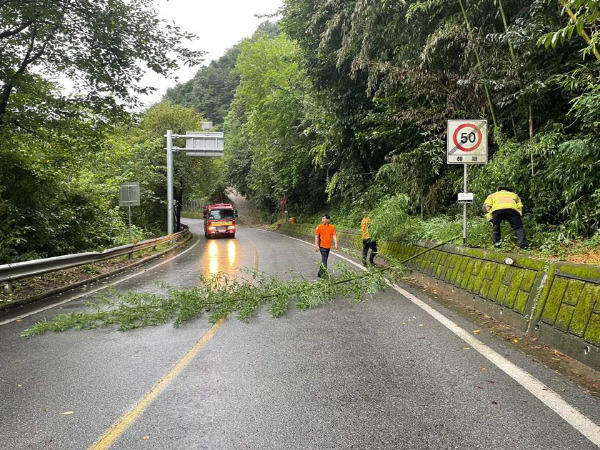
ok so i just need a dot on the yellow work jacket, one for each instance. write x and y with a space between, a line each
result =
364 226
503 200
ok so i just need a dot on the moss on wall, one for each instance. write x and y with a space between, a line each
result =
554 300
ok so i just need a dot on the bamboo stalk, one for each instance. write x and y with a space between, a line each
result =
531 139
421 195
505 22
582 33
485 84
514 126
514 60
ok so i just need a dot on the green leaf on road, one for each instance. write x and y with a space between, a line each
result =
219 296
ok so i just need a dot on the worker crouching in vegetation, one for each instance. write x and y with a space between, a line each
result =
505 205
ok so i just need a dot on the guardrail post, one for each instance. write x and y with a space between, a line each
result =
9 273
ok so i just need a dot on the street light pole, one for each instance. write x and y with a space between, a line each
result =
169 182
196 144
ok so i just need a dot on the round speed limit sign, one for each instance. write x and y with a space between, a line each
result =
467 142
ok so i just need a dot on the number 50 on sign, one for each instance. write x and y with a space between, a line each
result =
467 142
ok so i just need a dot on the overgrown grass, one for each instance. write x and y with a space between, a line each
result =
192 214
219 296
390 220
543 240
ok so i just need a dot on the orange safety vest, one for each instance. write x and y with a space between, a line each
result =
503 200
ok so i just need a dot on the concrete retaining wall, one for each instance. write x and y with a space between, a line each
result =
557 302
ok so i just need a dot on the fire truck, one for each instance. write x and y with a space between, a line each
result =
219 220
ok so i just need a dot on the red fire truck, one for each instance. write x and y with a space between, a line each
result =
219 220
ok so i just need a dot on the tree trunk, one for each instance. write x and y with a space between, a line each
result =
179 198
485 83
531 138
4 96
421 198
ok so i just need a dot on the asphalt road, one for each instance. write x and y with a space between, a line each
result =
382 373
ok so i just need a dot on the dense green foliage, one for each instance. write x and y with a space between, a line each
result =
136 153
349 107
97 45
47 208
61 196
63 153
340 107
211 90
266 130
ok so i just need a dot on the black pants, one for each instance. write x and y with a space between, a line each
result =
514 218
324 256
369 244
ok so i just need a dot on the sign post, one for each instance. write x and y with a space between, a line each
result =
466 144
129 195
197 143
169 182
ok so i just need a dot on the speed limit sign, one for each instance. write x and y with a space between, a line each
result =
467 142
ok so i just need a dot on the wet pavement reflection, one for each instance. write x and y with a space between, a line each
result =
220 255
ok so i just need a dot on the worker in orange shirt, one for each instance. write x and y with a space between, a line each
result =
323 235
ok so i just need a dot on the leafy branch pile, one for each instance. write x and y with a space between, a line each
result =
219 296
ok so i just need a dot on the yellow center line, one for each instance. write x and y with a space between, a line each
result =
120 426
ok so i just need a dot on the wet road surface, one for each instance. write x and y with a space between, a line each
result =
379 374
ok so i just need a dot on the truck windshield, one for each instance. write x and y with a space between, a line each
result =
221 214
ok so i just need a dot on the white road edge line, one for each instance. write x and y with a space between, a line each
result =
22 316
538 389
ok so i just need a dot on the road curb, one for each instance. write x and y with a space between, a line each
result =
26 301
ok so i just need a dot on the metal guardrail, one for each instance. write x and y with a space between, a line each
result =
17 271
